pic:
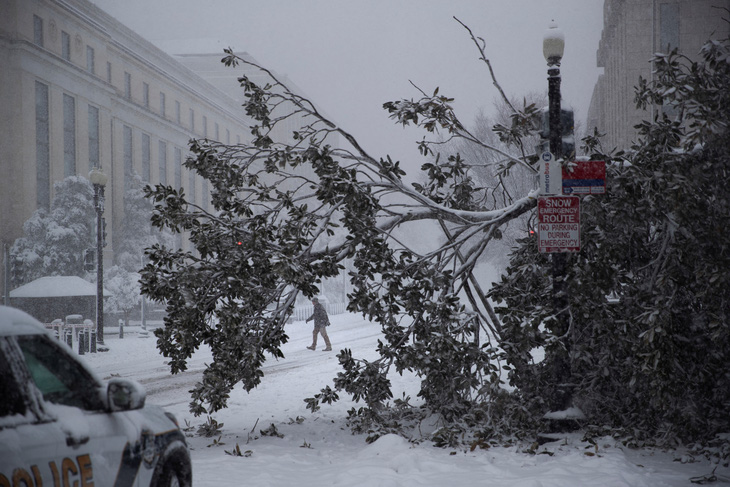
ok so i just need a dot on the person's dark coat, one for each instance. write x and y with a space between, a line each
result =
319 316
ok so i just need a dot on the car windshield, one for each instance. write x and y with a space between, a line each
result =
60 379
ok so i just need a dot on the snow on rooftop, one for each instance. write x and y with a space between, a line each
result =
56 287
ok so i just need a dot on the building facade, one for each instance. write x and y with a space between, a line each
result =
633 30
79 90
204 59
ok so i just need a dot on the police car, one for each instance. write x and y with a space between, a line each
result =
61 426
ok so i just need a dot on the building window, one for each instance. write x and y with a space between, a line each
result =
146 95
206 194
228 137
65 46
668 26
192 120
177 112
205 126
38 30
178 168
42 146
178 185
217 132
162 160
69 135
668 40
191 186
93 137
90 67
163 107
146 172
128 158
109 72
127 85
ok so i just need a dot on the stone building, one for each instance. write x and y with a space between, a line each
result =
633 30
80 90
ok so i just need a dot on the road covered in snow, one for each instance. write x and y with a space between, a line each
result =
281 443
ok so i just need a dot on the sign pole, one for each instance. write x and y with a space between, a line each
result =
562 395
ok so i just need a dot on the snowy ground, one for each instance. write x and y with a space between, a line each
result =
318 449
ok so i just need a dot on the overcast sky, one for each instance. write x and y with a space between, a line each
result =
351 56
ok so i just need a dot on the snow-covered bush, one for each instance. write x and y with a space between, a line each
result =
54 239
124 289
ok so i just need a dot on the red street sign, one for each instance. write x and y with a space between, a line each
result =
558 224
585 177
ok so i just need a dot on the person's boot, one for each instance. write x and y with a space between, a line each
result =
328 345
314 340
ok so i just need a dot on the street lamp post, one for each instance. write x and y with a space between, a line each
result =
98 180
553 47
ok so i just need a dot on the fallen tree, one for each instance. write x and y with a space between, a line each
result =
286 215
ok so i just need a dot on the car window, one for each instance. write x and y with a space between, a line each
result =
12 399
60 379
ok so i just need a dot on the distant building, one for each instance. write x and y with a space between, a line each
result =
633 30
203 57
80 90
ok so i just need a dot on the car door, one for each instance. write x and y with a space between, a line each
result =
28 437
94 441
28 452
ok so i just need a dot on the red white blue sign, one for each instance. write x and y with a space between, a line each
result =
584 177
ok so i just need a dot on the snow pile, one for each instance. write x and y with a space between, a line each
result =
269 438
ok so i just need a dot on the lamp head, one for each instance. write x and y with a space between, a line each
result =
553 44
97 177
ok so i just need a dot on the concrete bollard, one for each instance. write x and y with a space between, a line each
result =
121 328
82 342
57 326
93 341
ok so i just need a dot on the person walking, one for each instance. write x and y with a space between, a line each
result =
321 322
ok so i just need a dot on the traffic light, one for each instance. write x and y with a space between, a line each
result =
89 260
103 232
567 123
